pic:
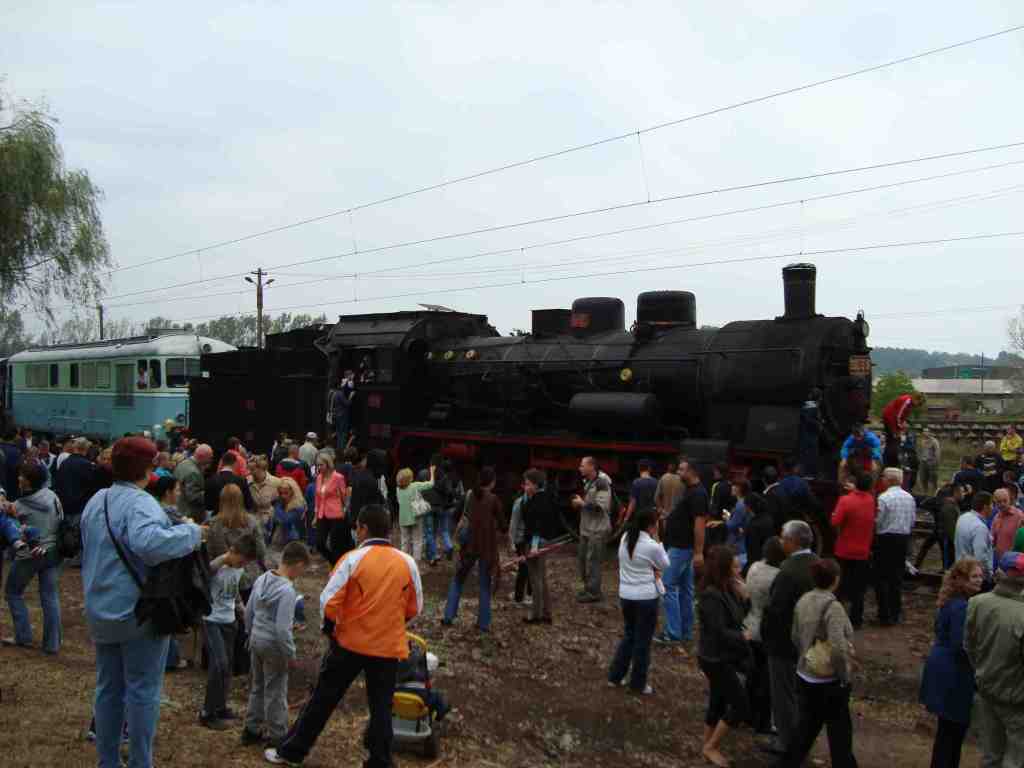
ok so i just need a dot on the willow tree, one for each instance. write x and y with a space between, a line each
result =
52 246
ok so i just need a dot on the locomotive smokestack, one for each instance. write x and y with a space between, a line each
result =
798 282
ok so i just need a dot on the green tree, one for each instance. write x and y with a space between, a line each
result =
889 386
13 338
52 246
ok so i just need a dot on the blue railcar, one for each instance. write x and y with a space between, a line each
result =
106 388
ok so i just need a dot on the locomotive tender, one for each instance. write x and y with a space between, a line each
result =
751 392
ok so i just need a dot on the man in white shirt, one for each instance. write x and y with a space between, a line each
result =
897 512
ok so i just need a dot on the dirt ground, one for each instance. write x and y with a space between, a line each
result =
524 696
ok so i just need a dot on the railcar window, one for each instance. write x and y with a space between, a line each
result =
125 393
102 375
54 375
142 378
154 373
88 375
73 380
180 370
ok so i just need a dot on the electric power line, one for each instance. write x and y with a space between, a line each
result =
748 239
635 270
588 212
578 148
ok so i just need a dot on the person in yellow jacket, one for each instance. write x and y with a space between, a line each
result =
371 594
1009 446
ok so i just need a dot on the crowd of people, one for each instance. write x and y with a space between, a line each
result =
731 558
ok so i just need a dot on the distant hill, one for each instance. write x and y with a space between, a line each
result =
913 361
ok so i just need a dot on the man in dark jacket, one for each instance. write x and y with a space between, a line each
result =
225 476
793 581
76 480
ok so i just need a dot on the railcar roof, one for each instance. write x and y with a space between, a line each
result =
138 346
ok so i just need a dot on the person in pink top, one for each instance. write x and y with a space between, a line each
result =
333 532
1005 523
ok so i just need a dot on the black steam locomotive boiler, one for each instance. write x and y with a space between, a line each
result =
751 392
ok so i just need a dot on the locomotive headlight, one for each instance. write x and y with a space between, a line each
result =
449 355
626 375
471 354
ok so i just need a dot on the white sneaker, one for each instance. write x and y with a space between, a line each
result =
271 756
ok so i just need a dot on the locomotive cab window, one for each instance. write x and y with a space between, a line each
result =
54 375
154 374
180 370
142 376
73 376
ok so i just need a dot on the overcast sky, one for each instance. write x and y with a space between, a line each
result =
202 126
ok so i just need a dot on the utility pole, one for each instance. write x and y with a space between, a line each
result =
258 282
100 308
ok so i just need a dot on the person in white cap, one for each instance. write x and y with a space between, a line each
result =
308 450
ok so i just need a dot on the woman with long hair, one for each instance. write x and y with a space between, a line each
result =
333 532
947 685
231 524
289 511
642 560
724 648
484 510
39 512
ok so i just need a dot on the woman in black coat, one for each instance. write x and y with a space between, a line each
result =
724 649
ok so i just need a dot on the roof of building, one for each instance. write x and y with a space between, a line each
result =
981 387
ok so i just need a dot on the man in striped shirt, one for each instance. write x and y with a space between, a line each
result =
894 522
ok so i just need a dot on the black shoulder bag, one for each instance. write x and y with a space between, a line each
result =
176 596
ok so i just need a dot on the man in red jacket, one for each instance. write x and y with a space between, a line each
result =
894 417
854 521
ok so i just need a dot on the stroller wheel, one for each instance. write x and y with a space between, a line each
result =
432 745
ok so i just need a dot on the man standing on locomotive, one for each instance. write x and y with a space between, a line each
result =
595 525
894 417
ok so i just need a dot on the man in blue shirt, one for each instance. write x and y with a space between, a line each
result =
862 446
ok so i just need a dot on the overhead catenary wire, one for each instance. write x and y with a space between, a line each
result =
747 239
349 210
635 270
589 212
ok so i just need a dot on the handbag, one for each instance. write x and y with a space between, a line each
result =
176 596
420 506
818 658
69 534
463 533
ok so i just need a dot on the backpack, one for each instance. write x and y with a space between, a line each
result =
69 534
176 596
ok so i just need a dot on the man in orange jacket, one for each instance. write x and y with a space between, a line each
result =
371 594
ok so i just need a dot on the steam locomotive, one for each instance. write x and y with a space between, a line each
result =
749 393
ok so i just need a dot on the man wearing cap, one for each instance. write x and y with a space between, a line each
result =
308 450
190 474
930 454
992 640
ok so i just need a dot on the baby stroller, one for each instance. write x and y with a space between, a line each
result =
416 708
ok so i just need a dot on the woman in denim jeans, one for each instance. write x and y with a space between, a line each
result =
38 510
642 560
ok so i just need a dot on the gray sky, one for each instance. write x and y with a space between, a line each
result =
204 126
